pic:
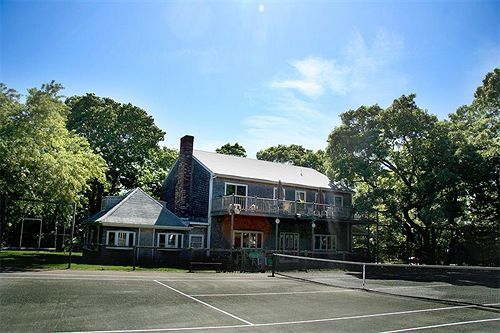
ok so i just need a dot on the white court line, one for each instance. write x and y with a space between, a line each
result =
196 328
206 304
279 293
442 325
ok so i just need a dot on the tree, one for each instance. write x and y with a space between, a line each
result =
400 160
39 158
229 149
296 155
124 135
155 170
475 131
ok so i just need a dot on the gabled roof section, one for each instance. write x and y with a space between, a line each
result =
257 170
138 209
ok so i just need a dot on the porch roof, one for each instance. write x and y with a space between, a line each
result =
138 209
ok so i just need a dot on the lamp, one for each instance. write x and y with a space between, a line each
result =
277 221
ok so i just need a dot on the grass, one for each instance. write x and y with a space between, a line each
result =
46 260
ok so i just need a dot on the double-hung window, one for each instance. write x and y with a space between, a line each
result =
169 240
338 201
324 242
196 241
120 238
247 239
236 189
300 196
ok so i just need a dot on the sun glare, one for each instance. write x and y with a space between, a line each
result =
261 8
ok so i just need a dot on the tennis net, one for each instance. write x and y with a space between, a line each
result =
463 284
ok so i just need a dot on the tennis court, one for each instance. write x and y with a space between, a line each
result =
93 301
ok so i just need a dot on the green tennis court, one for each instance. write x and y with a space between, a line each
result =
69 301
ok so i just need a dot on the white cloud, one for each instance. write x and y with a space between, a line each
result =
314 76
303 105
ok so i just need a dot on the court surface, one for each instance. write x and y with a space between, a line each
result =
93 301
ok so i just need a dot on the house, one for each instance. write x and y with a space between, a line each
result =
221 202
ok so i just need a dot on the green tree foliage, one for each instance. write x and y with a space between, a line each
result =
155 170
398 158
126 137
39 157
296 155
475 131
41 160
229 149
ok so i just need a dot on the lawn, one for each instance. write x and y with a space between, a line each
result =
11 260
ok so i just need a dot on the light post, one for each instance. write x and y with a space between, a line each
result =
277 221
313 225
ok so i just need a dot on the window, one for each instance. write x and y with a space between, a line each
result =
169 240
317 198
196 241
275 194
300 196
338 201
236 189
247 239
289 241
120 238
325 242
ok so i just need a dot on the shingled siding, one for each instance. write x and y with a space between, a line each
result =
168 188
262 190
199 193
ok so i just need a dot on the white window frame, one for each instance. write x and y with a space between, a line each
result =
275 193
167 234
127 238
257 233
202 241
341 200
297 195
332 243
236 189
282 240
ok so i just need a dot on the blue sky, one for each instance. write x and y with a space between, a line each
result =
260 73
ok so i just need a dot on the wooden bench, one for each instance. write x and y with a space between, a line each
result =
204 265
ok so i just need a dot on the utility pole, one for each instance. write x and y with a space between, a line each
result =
72 235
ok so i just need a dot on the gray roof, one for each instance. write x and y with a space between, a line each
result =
138 209
252 169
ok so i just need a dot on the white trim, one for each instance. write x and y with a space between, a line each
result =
202 240
275 193
178 244
341 200
250 232
297 198
127 239
235 188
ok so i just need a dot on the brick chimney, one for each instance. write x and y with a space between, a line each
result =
184 173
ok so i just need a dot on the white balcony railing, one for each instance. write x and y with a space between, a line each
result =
280 208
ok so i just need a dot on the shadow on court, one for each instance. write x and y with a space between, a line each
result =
225 302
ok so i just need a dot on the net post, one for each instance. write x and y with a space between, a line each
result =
275 257
134 255
364 276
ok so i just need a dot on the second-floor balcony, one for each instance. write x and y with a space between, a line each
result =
245 205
